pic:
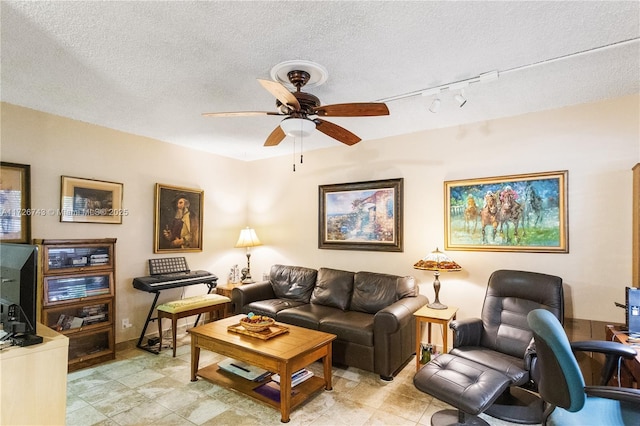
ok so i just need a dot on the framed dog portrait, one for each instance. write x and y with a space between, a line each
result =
521 213
178 219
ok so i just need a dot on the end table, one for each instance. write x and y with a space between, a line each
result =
433 316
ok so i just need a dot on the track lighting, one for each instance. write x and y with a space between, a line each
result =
460 99
435 105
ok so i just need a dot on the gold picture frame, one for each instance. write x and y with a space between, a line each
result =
517 213
178 219
91 201
15 203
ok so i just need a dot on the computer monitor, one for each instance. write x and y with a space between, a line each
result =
18 288
632 299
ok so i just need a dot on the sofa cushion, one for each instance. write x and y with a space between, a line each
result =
292 282
269 307
373 291
307 316
333 288
349 326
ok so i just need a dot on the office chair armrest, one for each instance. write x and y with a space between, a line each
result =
612 351
604 347
611 392
466 332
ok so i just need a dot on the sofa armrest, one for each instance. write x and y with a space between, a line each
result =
397 315
247 293
467 332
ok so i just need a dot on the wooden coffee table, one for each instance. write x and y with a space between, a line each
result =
284 354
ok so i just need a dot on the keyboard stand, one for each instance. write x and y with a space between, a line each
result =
152 348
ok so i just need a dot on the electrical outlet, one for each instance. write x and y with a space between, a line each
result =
126 323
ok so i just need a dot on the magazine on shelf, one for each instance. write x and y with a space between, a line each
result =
242 369
296 378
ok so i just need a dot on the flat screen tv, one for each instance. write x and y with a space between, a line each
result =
18 288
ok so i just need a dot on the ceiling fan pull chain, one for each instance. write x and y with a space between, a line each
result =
294 154
301 148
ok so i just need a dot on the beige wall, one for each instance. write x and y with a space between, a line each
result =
597 143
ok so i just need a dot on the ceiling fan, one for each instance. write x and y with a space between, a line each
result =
298 107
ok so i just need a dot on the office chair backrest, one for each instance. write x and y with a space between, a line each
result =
511 295
561 382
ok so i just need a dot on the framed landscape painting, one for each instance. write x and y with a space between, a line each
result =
361 216
521 213
91 201
15 203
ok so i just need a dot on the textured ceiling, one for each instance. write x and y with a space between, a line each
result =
151 68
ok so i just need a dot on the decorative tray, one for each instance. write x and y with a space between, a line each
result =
272 331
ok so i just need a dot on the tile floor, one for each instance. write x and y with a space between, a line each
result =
140 388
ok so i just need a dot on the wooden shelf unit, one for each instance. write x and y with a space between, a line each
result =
77 296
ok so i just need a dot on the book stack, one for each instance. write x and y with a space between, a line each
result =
296 378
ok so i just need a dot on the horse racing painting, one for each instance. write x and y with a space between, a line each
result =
522 213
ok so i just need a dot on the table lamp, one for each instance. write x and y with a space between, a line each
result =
248 239
437 261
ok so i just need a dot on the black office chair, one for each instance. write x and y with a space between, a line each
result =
502 340
562 387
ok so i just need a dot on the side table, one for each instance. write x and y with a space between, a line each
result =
225 290
433 316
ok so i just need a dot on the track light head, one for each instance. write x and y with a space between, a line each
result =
460 99
435 105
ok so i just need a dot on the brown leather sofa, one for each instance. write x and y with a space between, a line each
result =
370 313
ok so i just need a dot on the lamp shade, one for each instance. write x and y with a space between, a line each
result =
437 261
297 127
248 238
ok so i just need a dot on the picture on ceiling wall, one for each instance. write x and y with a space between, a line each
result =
90 201
178 219
15 203
521 213
361 216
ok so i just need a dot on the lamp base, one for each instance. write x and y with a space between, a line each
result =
437 305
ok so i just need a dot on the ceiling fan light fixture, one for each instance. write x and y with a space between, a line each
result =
297 127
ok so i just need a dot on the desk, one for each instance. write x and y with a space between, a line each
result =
433 316
630 368
33 389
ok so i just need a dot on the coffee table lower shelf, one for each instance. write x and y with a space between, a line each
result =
222 378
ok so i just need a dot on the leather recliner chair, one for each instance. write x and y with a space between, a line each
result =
502 339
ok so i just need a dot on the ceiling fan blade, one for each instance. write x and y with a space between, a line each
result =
363 109
275 137
281 93
239 113
339 133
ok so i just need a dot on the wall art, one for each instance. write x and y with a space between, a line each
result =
521 213
361 216
178 219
